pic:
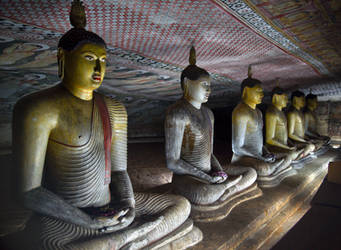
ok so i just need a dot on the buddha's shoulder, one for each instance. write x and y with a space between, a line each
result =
178 110
44 100
114 106
292 111
271 110
241 108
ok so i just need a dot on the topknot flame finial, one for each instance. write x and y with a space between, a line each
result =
77 15
277 82
249 71
192 56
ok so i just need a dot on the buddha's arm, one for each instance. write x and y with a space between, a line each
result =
31 129
291 128
239 124
215 165
270 125
174 132
121 187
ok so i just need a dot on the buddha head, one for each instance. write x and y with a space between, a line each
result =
252 91
81 56
297 99
279 98
195 82
311 100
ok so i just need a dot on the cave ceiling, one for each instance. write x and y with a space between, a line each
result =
148 41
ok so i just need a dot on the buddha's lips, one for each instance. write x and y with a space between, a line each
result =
96 77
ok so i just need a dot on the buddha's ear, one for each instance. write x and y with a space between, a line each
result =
61 62
244 93
185 86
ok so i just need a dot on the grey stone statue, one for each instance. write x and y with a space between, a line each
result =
198 174
247 137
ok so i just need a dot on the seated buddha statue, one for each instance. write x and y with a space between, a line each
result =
276 128
247 137
70 150
296 130
189 125
310 121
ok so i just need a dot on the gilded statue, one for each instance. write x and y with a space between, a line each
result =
247 136
296 129
276 127
70 150
189 126
310 120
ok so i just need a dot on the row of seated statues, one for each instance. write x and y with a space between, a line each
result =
70 151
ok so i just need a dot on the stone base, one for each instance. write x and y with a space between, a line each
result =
183 237
259 223
220 209
273 181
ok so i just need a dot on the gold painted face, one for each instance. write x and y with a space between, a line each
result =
281 100
84 67
255 94
198 90
300 101
312 103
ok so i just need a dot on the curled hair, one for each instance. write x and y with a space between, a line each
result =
296 94
250 82
277 91
192 72
311 97
78 36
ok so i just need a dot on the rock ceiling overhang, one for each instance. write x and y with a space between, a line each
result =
148 42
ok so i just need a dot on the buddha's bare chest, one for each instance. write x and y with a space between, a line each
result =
74 125
254 122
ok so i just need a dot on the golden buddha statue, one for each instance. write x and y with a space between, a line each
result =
310 121
296 130
276 127
70 149
247 137
189 125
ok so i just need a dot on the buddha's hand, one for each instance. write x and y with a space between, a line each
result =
218 177
268 157
113 219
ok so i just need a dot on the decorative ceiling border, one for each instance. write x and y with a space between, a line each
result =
241 10
14 25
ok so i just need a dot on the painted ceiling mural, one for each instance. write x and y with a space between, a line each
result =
148 44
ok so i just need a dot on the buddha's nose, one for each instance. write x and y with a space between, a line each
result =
98 66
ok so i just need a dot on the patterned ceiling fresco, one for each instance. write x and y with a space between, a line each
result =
148 44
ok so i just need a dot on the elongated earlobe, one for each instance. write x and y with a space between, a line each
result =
61 59
186 93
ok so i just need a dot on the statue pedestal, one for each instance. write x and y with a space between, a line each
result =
221 209
263 221
274 180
